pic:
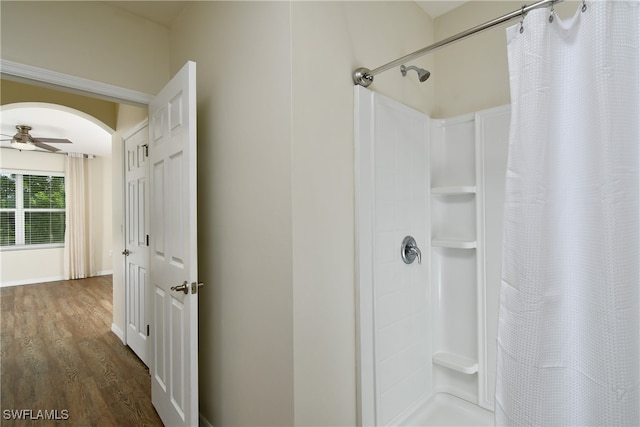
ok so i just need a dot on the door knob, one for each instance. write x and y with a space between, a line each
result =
410 251
184 287
126 252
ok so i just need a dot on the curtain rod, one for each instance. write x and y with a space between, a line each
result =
364 76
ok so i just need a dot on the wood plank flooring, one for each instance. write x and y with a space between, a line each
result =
57 353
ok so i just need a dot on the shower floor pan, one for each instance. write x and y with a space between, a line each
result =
446 410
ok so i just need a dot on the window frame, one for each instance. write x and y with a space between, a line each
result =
19 210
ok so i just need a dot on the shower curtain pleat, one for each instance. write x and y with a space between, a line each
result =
569 328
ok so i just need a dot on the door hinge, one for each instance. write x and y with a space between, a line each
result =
147 240
146 149
147 330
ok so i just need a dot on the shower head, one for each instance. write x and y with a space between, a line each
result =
423 74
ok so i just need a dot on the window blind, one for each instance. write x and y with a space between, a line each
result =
32 209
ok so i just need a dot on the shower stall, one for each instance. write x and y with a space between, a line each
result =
434 300
428 310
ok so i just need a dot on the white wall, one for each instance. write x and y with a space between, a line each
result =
242 51
18 265
473 74
87 39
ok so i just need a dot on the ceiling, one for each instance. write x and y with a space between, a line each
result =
56 121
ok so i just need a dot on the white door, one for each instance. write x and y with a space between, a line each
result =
137 240
173 257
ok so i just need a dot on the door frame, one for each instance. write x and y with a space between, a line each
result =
29 74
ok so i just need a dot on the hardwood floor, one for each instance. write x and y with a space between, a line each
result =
57 354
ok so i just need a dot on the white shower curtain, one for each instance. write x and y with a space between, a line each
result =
569 332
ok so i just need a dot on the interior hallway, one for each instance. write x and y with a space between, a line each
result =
58 353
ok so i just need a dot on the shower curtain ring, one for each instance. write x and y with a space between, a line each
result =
522 19
551 15
584 6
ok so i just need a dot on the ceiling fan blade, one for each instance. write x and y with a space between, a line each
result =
10 139
53 140
45 146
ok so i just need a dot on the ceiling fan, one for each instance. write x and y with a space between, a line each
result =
23 140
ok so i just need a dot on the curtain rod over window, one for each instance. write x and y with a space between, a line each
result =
364 76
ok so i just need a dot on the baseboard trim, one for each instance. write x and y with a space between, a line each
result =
31 281
118 332
38 280
104 273
203 422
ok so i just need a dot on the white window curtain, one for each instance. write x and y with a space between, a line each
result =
78 242
569 331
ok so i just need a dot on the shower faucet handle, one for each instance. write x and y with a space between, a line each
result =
409 250
415 250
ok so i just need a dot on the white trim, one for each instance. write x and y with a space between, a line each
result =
36 172
38 280
33 281
364 213
118 332
29 247
22 72
485 398
104 273
137 128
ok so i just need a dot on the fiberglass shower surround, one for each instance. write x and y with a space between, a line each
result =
568 298
421 358
424 328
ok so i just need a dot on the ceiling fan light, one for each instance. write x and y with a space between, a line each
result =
19 145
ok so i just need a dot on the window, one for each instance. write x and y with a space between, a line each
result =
32 209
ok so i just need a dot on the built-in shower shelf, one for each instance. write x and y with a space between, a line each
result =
452 191
454 243
456 362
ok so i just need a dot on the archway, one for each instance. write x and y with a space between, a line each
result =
88 136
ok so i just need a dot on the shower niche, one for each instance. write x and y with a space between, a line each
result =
434 363
455 255
467 168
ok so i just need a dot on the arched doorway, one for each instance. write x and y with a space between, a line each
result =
85 135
